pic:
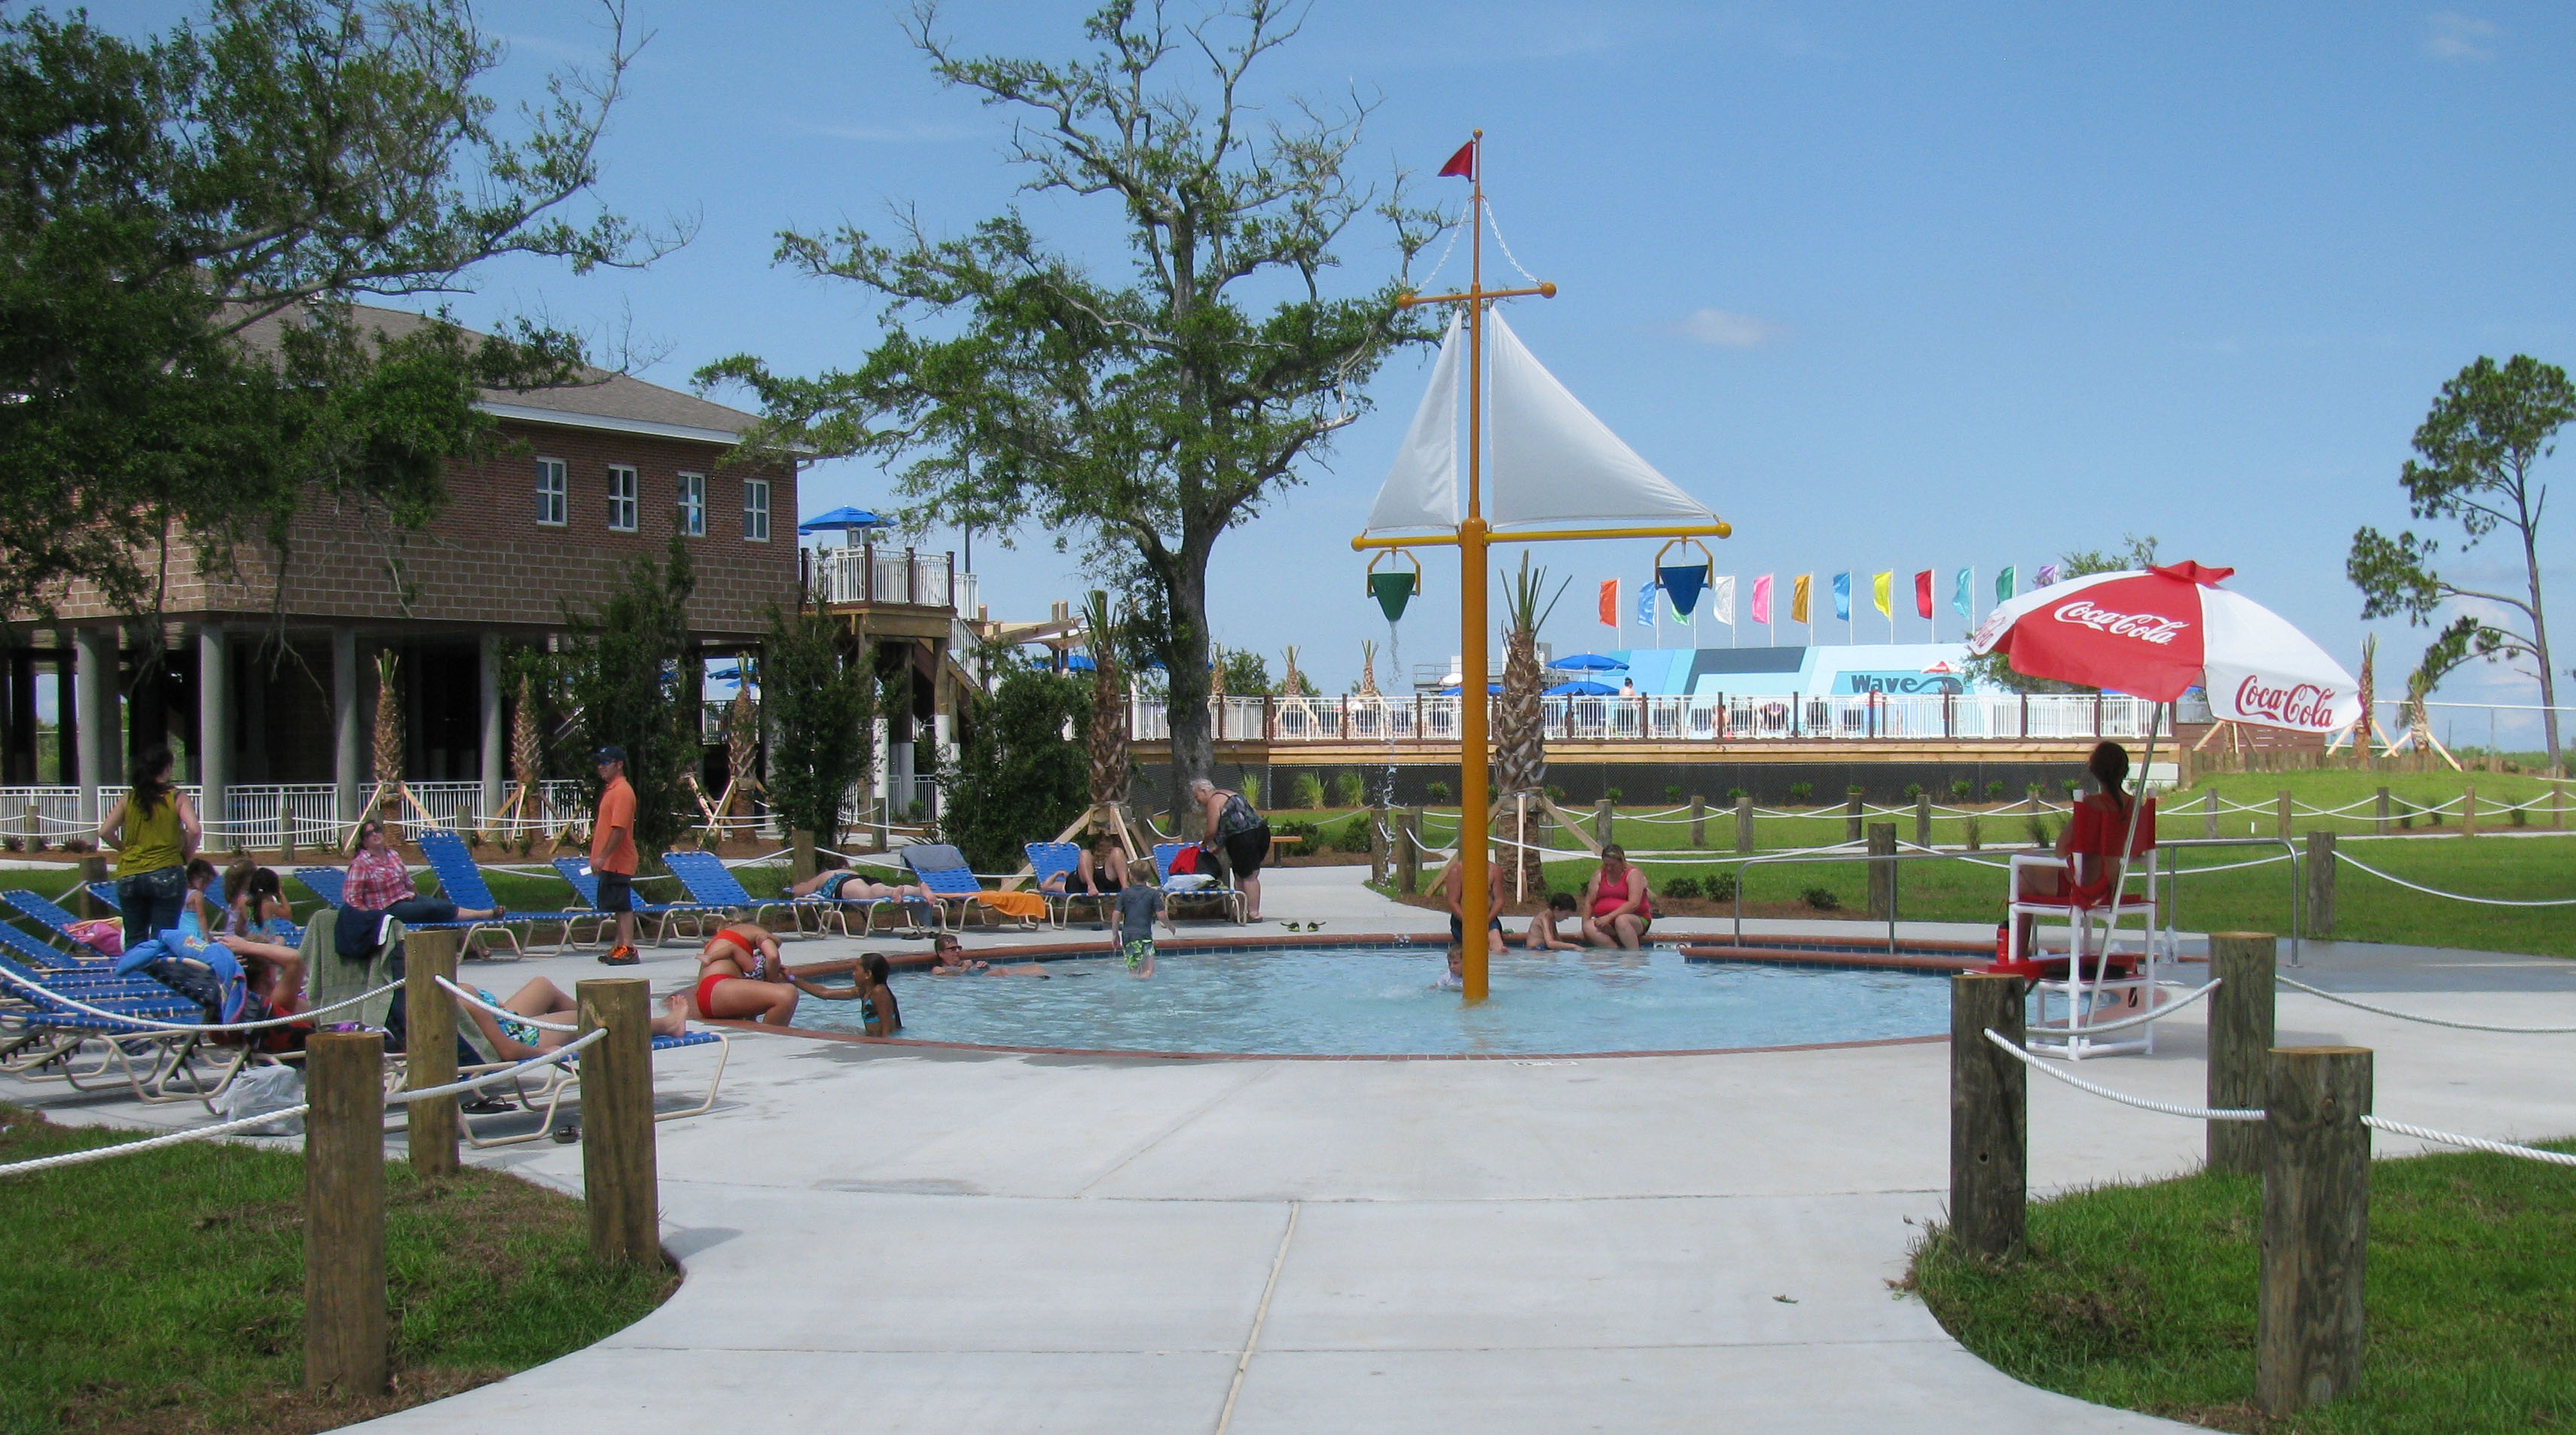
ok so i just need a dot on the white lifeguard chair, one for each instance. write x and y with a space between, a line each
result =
2105 957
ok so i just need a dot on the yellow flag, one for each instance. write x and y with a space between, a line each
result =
1879 588
1798 589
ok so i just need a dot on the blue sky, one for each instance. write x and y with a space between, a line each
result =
1888 286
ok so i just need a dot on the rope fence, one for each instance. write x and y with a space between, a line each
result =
2351 860
2427 1020
85 1009
2195 1113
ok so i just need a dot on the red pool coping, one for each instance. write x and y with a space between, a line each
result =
1787 955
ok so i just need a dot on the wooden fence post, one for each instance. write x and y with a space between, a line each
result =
2281 807
286 834
2240 1043
1375 817
345 1336
93 868
619 1180
1744 823
429 1046
2379 819
1882 872
1852 815
2321 884
1989 1116
1699 820
800 856
2469 809
1601 822
1408 852
2309 1319
1923 819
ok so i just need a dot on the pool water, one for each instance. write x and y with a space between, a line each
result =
1382 1002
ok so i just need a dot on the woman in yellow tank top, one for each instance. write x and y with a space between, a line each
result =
154 830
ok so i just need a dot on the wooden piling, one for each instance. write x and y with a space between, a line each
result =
346 1341
2321 884
1602 822
429 1046
1852 815
286 834
1744 823
2469 809
1375 817
1923 819
800 856
2309 1319
2209 816
1989 1117
2281 812
1882 871
619 1178
1699 821
1408 851
2379 817
93 868
2240 1043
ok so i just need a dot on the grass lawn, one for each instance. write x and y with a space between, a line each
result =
2144 1297
165 1292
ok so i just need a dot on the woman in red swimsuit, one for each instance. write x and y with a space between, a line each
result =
741 977
1615 910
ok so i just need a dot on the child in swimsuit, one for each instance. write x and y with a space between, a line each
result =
1543 935
1138 906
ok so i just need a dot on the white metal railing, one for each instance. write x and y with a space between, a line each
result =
1714 718
867 574
255 812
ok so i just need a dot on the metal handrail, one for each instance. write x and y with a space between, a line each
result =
2298 888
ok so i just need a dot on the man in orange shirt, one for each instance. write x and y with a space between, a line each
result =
612 853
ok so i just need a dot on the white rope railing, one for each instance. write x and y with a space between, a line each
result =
2195 1113
501 1012
2472 1143
265 1118
2124 1023
2455 896
2427 1020
87 1010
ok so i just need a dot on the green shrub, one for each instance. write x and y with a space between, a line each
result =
1961 789
1250 787
1995 790
1348 789
1736 794
1555 793
1673 795
1306 791
2522 817
1913 790
1353 836
1438 791
2039 831
1976 833
1682 887
1802 792
1822 899
1615 795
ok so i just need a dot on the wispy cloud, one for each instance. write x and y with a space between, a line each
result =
1729 330
912 133
2450 35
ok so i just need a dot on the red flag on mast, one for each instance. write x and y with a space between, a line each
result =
1461 165
1923 593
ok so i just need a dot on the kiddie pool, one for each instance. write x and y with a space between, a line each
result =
1383 1001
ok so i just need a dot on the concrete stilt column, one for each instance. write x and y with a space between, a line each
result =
94 686
494 740
347 758
214 731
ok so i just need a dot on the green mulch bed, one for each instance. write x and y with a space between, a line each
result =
2144 1297
164 1292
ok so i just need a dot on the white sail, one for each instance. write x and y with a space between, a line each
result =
1548 461
1421 489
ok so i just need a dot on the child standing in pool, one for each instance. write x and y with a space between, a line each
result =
1139 904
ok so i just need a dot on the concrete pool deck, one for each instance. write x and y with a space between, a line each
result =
883 1238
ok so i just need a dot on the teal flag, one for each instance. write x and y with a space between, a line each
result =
2004 586
1964 605
1842 595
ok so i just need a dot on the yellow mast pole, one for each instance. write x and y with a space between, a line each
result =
1473 772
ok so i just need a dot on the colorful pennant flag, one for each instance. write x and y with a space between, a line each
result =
1961 602
1721 600
1762 599
1923 594
1882 593
1842 596
2047 576
1798 593
1646 605
1461 165
1610 602
2004 584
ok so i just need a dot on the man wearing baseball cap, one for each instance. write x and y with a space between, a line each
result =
612 852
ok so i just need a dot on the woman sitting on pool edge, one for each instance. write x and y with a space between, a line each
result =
741 977
1617 907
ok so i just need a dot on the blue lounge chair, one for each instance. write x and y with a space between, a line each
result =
1048 859
710 881
576 870
331 884
564 1076
1232 898
49 914
462 880
943 869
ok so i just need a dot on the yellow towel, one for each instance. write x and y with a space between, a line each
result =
1024 905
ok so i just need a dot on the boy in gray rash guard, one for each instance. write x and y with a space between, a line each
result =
1138 905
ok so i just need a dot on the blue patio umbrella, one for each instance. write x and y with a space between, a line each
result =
1587 663
1451 692
844 520
1581 688
1080 663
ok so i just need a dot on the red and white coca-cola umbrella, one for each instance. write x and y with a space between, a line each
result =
2158 632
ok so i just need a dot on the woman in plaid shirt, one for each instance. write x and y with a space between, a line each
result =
379 882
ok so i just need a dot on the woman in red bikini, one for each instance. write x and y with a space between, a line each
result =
1615 912
741 977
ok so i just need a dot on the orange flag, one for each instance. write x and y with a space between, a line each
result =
1610 602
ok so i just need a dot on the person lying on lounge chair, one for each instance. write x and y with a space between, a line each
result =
542 1000
1102 872
835 882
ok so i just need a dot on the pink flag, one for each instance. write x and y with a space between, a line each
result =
1762 599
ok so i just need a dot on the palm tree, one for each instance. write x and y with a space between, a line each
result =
1520 731
389 734
1368 669
1107 738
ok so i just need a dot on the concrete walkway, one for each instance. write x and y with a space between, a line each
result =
888 1239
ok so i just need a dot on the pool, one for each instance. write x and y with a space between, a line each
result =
1381 1001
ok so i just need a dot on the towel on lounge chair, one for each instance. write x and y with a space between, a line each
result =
1027 906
